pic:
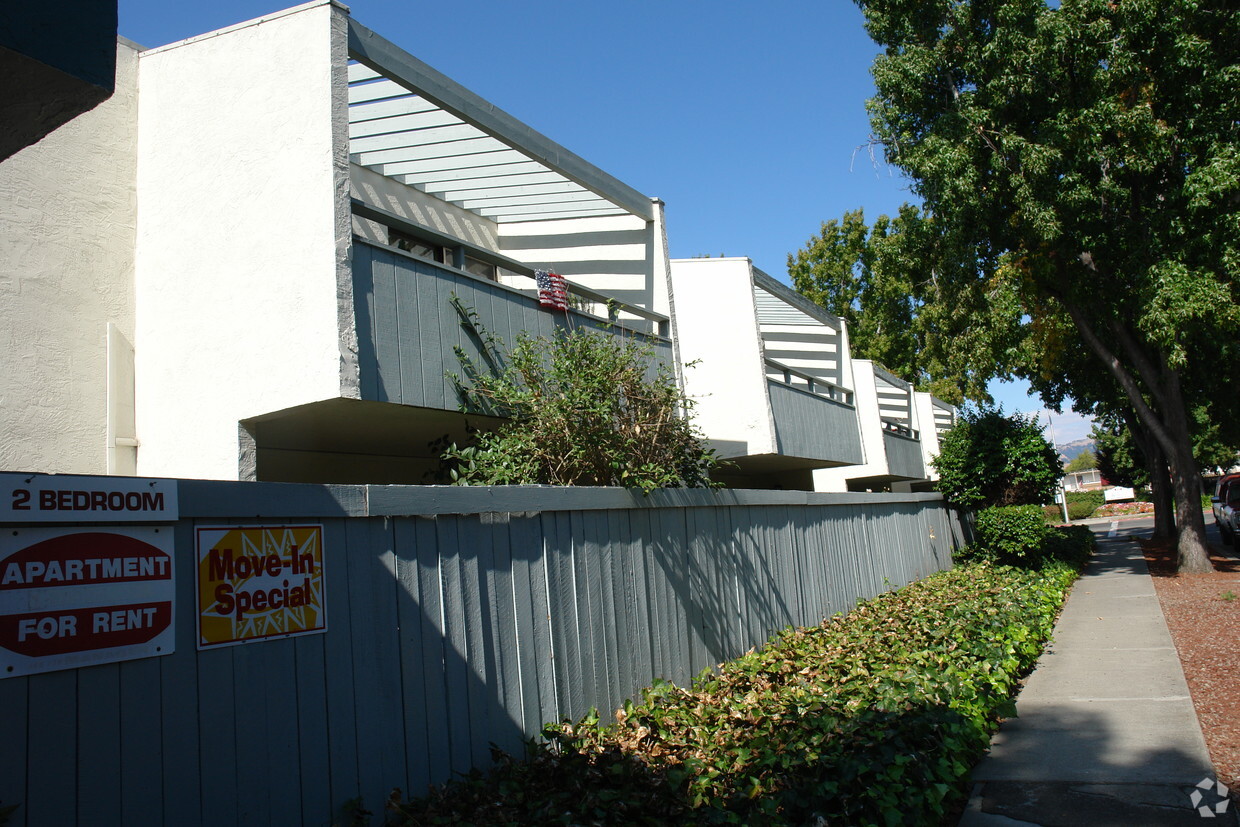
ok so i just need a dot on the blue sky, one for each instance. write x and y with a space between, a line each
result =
747 119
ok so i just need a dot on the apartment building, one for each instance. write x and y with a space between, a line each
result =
255 267
254 260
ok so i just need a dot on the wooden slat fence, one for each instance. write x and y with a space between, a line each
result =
456 618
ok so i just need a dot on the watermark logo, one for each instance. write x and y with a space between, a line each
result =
1208 790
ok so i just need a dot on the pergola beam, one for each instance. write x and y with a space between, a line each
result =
387 59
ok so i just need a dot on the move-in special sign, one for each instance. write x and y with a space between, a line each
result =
259 582
57 498
79 597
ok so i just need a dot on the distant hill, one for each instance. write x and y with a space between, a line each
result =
1074 448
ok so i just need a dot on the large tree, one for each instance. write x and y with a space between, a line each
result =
1094 147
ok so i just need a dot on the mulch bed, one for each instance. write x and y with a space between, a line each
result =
1203 614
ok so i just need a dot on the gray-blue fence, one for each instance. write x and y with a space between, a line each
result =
456 618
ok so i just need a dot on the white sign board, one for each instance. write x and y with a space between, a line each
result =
61 498
73 597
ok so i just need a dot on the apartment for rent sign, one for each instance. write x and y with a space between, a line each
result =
73 597
259 582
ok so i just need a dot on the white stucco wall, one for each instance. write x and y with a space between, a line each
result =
715 324
243 235
923 409
67 213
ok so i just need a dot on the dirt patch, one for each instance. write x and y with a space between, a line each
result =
1203 614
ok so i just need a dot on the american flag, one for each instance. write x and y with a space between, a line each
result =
552 291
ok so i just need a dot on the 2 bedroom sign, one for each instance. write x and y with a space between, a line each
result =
54 498
73 597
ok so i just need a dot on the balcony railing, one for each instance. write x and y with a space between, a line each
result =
410 335
799 379
900 429
615 311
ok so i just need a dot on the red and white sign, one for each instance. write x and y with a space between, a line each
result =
60 498
78 597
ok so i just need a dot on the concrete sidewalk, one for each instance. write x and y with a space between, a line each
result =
1106 733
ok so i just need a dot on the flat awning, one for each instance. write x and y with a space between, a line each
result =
417 126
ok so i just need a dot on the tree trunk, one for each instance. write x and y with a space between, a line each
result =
1192 554
1164 501
1168 427
1160 480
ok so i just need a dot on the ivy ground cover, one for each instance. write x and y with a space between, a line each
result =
873 717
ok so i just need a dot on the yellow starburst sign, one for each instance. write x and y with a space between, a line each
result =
259 583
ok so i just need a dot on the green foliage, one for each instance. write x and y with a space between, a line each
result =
1122 462
583 408
881 279
991 459
1119 458
1085 152
1089 137
872 718
1084 461
1070 545
352 813
1011 534
1082 504
1018 535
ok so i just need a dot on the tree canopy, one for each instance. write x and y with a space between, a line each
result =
1086 155
882 280
1084 461
1119 459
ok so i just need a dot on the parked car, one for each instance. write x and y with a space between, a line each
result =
1229 519
1223 507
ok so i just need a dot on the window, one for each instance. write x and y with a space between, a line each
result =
415 246
481 268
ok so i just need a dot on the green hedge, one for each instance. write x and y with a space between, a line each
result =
1082 504
1018 535
874 717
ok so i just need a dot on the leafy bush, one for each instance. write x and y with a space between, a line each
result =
583 408
1082 504
1012 535
990 459
1070 545
874 717
1018 535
